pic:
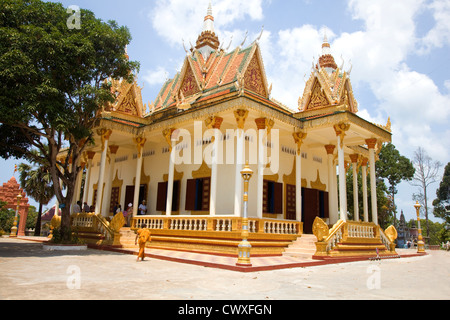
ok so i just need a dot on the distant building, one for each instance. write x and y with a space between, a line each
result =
406 233
8 193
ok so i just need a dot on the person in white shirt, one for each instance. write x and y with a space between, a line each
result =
142 208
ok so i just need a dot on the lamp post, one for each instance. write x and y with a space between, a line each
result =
14 227
245 246
420 243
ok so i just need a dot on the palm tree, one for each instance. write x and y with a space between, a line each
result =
36 181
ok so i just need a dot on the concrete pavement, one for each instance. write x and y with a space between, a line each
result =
28 272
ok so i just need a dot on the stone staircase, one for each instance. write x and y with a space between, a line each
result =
127 237
304 247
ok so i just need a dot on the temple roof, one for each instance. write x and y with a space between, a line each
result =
328 85
237 71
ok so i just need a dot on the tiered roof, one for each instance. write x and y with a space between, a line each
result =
328 85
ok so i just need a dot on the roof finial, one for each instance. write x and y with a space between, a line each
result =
208 25
210 9
326 48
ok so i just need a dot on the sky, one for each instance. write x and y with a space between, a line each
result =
398 53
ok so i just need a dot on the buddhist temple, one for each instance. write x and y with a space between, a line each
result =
184 153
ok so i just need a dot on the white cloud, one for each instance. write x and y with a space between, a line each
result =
439 35
156 77
175 20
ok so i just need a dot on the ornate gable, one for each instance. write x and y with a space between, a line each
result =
128 98
189 85
254 77
318 98
128 104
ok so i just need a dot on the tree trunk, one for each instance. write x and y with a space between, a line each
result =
37 227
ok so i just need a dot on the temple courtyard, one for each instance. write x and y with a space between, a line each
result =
28 272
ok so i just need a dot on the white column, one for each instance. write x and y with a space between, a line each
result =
364 183
87 181
342 182
260 174
373 183
216 124
238 177
105 134
241 116
354 158
298 186
108 184
171 137
341 130
332 188
299 138
213 194
140 141
170 181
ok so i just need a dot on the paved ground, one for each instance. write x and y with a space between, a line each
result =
28 272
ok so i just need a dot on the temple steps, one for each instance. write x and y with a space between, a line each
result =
361 249
215 243
303 247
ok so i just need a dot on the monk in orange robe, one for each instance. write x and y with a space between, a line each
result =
143 235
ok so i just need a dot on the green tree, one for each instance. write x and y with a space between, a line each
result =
442 202
53 85
395 168
426 174
37 183
6 218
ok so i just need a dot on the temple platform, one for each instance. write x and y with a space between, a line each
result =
229 263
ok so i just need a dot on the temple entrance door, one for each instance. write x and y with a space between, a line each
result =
310 206
129 195
290 202
314 204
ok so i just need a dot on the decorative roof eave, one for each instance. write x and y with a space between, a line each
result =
222 104
329 120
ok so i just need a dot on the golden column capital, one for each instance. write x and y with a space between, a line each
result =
371 143
214 122
330 148
299 138
241 116
140 142
113 149
264 123
90 155
341 130
167 133
354 158
104 134
364 161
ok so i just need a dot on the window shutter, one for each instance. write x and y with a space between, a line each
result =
162 197
206 194
278 198
190 195
176 196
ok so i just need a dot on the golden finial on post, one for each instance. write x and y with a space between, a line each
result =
420 243
244 247
14 227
